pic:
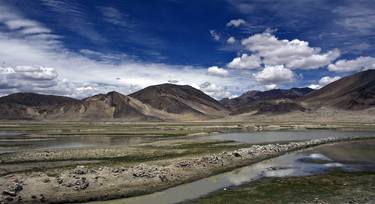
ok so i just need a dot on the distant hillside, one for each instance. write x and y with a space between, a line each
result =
179 99
33 106
272 101
354 92
169 102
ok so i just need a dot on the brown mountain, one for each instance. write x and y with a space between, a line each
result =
353 92
33 106
271 101
169 102
177 99
165 102
114 106
110 106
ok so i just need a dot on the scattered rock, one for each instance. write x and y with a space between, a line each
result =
163 178
59 180
10 193
143 170
236 154
42 198
80 184
80 170
46 180
184 164
9 199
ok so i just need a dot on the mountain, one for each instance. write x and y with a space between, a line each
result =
355 92
113 106
165 102
169 102
181 99
281 99
110 106
32 106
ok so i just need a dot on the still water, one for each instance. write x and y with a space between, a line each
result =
12 142
301 163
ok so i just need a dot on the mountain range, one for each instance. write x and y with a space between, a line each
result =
170 102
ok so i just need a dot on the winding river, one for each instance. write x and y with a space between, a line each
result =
347 156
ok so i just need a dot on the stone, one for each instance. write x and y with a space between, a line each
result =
59 180
46 180
80 170
42 198
163 178
80 184
10 193
236 154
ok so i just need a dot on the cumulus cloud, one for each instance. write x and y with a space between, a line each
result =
314 86
231 40
215 35
270 86
274 75
294 54
245 62
214 70
358 64
27 78
51 68
236 23
324 81
215 91
327 80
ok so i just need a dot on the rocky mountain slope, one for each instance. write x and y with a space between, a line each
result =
164 102
355 92
272 101
178 99
170 102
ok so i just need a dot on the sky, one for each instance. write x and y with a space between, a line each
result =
222 47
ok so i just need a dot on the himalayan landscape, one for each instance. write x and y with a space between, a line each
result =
113 146
187 102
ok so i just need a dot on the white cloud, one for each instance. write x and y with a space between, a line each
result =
359 64
314 86
215 35
324 81
114 16
231 40
245 62
327 80
57 70
356 17
274 75
215 91
214 70
236 23
270 86
27 78
294 54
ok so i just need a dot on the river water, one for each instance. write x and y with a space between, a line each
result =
353 156
12 142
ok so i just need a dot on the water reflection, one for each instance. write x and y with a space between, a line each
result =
290 164
279 136
10 142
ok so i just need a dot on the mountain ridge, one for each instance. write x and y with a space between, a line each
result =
171 102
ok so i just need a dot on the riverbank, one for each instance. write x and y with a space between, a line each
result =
102 182
334 187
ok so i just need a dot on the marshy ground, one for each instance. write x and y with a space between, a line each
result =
110 156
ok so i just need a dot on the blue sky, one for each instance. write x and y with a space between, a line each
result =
223 47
